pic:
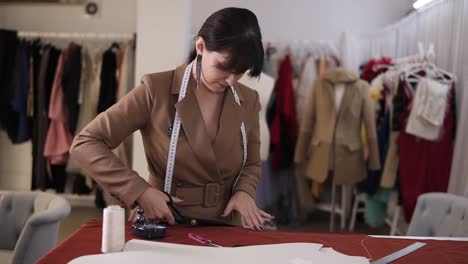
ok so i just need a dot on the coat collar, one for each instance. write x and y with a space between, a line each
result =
340 76
194 126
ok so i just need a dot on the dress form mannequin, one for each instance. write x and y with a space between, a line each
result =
266 188
264 86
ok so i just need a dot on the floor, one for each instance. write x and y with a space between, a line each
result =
316 222
78 216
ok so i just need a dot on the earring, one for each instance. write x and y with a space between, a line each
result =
198 73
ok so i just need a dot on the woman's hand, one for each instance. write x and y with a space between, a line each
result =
154 202
245 205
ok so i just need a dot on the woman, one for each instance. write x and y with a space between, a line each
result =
215 165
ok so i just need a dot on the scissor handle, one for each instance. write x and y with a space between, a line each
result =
181 219
169 196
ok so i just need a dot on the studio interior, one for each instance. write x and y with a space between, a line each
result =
227 131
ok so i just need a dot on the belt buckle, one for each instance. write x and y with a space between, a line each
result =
212 193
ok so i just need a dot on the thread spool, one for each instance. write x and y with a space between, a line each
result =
113 229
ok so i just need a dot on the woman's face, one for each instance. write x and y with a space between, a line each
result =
215 79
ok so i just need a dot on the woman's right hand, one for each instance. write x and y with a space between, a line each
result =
154 202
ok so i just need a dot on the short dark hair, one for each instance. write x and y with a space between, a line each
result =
236 32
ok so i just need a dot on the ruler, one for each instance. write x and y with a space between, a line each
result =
398 254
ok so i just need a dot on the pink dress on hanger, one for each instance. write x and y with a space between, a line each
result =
58 139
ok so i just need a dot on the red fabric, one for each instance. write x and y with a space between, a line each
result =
284 127
424 165
371 70
87 240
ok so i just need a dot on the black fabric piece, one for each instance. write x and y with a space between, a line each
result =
398 107
79 185
108 89
9 49
59 177
40 179
21 93
50 75
71 86
453 104
288 148
99 198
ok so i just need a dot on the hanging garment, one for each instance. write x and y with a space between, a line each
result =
11 124
323 66
390 169
40 180
92 63
304 89
8 81
381 96
324 128
33 82
123 151
59 139
108 90
50 75
71 77
424 165
283 127
372 183
428 109
20 100
376 203
374 68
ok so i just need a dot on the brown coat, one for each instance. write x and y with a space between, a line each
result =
323 129
203 172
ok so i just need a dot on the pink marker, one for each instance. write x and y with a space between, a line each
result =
202 240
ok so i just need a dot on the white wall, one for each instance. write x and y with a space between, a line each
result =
15 165
303 20
162 30
117 16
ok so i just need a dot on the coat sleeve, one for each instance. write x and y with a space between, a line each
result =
369 124
250 175
307 127
92 147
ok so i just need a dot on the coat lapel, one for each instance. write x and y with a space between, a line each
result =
229 123
336 76
193 124
348 95
330 93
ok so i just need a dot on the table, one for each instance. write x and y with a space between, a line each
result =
87 240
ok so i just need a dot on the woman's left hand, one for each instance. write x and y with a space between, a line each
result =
245 205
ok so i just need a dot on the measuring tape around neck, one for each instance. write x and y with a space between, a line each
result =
176 130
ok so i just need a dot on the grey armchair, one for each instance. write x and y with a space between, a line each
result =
29 223
440 214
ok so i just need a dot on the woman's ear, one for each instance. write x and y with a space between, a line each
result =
200 45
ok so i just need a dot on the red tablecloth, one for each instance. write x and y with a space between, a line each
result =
87 240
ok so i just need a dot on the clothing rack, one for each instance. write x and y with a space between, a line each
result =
76 35
82 200
422 56
318 48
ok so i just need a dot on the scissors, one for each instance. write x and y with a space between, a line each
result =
180 218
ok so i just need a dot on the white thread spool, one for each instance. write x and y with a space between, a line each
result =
113 229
